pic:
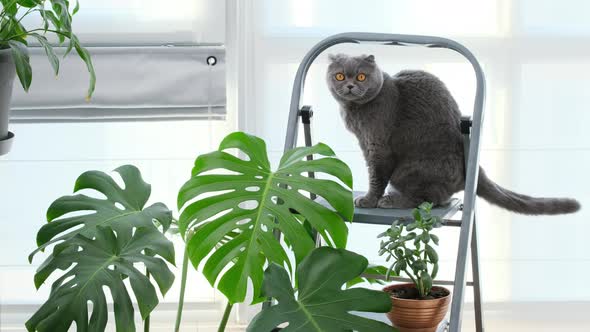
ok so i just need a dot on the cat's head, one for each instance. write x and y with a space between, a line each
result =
355 79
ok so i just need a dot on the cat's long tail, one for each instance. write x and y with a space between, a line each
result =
519 203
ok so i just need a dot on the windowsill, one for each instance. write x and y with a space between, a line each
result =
499 316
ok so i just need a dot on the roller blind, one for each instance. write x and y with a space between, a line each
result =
150 59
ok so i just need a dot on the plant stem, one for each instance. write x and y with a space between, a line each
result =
410 275
225 317
182 290
146 323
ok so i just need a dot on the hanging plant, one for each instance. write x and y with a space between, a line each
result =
56 20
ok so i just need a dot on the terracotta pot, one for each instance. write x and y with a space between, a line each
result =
417 315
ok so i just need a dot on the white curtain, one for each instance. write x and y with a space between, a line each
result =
535 56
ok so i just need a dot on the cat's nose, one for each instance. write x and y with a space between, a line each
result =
350 86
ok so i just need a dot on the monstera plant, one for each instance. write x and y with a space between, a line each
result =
244 200
233 210
319 303
99 242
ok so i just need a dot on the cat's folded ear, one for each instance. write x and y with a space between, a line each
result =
336 57
370 58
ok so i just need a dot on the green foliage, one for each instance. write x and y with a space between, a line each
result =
57 20
412 251
99 246
106 260
234 206
131 214
367 276
320 304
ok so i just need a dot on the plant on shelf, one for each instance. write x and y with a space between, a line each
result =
99 242
410 245
56 20
320 303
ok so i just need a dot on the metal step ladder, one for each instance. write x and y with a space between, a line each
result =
471 129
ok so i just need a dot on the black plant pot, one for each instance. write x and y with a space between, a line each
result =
7 74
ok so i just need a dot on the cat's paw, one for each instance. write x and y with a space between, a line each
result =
366 201
386 202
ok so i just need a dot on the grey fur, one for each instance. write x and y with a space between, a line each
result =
408 127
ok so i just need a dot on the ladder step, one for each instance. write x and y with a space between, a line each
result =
378 216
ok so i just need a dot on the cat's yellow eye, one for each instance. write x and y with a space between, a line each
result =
361 77
339 77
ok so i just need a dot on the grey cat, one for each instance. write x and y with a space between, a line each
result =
408 127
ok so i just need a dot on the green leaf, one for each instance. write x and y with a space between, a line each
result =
320 303
434 239
408 252
426 207
10 7
410 236
370 270
123 209
53 59
107 260
85 56
76 8
411 227
419 265
403 265
417 242
434 271
29 3
431 253
417 215
426 282
60 7
397 268
221 207
20 54
49 16
425 237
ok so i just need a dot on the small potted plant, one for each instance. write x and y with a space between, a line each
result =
15 38
417 306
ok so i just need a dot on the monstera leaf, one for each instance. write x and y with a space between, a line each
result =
122 209
99 240
320 304
106 260
248 199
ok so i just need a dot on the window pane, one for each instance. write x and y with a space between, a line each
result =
148 21
548 17
307 17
